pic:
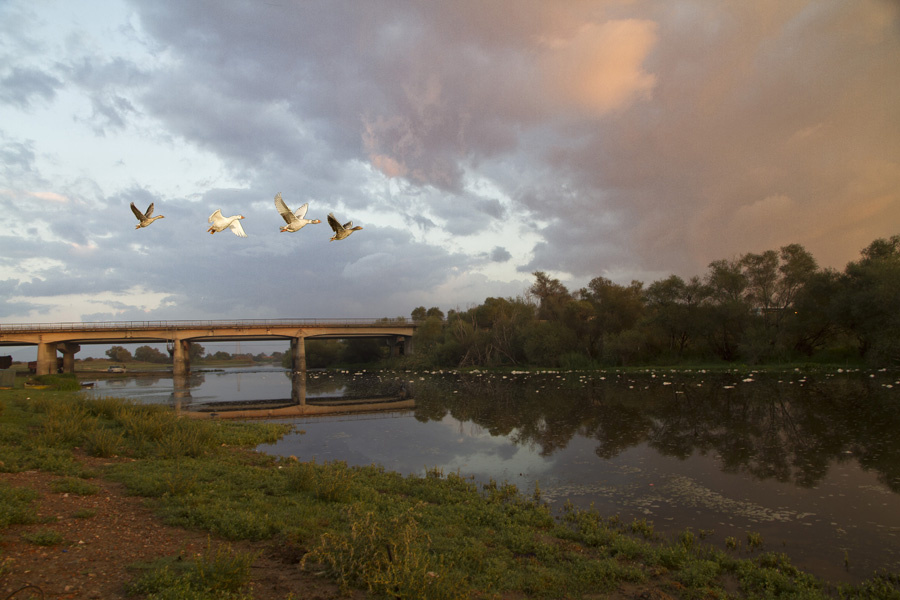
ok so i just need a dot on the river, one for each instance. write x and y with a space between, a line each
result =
808 462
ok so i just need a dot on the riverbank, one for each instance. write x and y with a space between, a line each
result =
436 536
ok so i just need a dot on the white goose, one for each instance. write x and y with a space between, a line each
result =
144 218
219 223
341 231
295 220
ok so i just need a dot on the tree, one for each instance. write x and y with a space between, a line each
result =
196 352
814 319
552 294
434 311
418 314
673 308
867 306
615 309
362 350
148 354
546 342
118 354
728 311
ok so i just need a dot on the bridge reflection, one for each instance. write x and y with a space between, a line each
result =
366 395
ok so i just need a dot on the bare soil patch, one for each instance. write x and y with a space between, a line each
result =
98 553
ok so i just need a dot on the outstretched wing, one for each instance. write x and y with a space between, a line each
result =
149 212
237 229
283 209
138 213
301 212
334 223
215 216
348 224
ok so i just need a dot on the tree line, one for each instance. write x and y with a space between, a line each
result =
776 306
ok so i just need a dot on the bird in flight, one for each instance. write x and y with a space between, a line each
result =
144 218
295 220
340 231
219 223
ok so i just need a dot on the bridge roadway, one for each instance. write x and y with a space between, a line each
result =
67 338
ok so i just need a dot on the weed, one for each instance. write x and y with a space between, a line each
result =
15 506
102 442
643 527
754 540
388 555
687 539
107 407
731 543
224 569
44 537
330 482
180 482
85 513
218 573
63 382
699 574
71 485
186 438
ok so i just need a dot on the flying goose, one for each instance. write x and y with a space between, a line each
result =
340 231
219 223
295 220
144 218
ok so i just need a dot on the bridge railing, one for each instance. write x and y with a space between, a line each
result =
195 324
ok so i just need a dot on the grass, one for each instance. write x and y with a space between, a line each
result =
436 536
219 573
16 506
44 537
71 485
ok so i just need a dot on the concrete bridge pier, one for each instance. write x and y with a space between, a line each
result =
298 370
46 358
69 349
181 358
400 346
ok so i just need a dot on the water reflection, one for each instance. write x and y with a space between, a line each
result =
765 426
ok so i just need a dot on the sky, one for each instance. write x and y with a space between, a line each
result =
475 141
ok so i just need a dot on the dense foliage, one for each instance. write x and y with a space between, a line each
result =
773 306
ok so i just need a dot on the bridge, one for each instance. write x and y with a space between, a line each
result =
68 338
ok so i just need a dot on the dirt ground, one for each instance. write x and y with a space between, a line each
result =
95 559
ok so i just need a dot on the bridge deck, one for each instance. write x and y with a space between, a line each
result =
15 334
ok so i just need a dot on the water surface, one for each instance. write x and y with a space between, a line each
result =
809 462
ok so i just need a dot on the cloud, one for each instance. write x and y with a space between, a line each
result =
23 87
600 67
499 254
473 142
